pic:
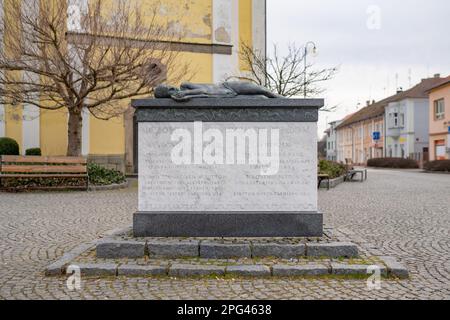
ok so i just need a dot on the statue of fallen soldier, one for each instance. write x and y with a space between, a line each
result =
229 89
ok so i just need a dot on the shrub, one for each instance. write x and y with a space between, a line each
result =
398 163
9 147
438 165
101 176
33 152
333 169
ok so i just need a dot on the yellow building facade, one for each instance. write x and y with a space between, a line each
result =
212 33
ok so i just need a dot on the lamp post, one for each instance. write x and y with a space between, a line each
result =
314 47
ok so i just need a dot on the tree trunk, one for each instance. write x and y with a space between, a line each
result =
74 133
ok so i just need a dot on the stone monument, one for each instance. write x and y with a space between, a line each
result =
227 160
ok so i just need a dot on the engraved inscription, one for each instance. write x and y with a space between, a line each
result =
167 186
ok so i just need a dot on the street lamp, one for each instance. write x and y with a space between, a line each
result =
314 48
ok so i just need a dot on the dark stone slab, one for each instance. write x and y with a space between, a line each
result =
187 270
395 268
228 110
284 251
173 249
332 250
214 250
228 224
98 269
299 270
354 269
137 270
59 267
249 270
112 249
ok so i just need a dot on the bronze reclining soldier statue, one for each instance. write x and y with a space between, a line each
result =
229 89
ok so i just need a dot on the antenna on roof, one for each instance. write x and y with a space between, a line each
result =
396 81
410 77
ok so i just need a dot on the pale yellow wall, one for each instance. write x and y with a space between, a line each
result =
245 27
108 137
53 132
187 20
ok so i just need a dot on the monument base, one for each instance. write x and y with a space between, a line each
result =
228 224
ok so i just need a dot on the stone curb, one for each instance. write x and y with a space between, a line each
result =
333 183
395 268
260 250
249 270
332 250
186 270
172 249
136 270
57 268
215 250
109 249
190 270
301 270
98 269
355 269
124 185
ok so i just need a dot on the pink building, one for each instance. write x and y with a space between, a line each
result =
440 120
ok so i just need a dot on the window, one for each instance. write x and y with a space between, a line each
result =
439 149
439 109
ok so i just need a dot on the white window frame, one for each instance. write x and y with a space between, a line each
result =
439 114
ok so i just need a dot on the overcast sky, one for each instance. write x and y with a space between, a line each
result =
373 42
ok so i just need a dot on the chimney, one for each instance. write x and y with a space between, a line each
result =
368 102
399 90
437 75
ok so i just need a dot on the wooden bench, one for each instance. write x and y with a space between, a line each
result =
322 177
33 167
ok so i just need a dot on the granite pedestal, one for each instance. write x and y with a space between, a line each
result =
235 167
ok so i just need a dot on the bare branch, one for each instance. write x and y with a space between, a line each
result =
285 75
90 58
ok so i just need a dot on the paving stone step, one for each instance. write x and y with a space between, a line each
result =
251 270
116 249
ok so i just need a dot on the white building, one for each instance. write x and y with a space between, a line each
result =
332 142
407 121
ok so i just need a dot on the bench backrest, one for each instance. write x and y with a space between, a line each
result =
43 165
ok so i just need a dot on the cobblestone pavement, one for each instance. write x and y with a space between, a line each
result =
405 214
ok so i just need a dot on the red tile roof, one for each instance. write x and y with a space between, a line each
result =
440 84
377 109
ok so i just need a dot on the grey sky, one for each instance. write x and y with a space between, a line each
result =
412 35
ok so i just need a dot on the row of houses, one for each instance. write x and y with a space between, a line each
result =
410 124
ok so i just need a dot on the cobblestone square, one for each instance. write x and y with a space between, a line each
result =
405 214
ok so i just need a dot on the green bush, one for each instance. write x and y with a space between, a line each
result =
33 152
333 169
9 147
438 165
397 163
101 176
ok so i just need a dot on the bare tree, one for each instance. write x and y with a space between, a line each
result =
287 75
62 56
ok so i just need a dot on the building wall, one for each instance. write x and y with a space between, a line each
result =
355 141
438 130
224 22
332 142
410 137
